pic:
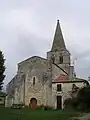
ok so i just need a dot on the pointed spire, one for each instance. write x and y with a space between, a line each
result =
58 43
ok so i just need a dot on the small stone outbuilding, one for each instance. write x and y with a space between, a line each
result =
2 98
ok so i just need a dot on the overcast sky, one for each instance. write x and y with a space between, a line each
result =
27 28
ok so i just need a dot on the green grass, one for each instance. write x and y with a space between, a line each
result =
27 114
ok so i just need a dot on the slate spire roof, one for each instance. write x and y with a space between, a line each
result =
58 42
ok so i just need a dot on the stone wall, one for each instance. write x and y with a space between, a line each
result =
56 72
65 93
28 64
42 88
65 54
8 101
40 69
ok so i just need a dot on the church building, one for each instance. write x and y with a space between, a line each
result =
48 80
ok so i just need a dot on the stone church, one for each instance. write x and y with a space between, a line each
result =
48 80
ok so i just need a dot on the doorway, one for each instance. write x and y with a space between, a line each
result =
59 102
33 103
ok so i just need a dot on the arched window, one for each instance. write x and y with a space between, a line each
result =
33 81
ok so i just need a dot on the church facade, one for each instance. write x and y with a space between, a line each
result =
49 80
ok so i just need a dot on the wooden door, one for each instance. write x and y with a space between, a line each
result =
33 103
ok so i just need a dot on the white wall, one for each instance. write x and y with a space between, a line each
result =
65 93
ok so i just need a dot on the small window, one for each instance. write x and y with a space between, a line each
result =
60 59
58 87
33 81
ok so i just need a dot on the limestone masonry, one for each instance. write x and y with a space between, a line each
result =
48 80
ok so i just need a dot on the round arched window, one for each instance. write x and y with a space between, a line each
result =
33 81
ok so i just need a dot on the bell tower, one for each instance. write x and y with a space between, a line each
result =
59 53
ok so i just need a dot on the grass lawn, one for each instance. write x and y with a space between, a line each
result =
27 114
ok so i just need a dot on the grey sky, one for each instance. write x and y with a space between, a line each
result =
24 23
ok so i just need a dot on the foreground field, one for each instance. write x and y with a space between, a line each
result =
27 114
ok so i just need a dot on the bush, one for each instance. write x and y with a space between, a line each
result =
26 106
17 106
81 101
44 107
47 108
71 103
68 103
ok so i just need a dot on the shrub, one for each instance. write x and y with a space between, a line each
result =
44 107
47 108
67 102
71 103
17 106
81 101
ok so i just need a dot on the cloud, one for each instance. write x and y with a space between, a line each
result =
24 23
25 46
